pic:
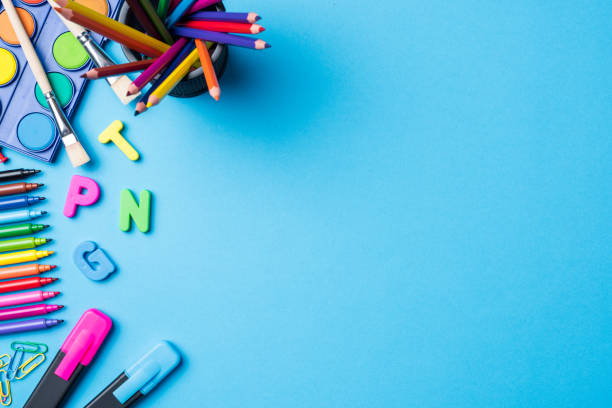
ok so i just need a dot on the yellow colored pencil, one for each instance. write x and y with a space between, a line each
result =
114 25
169 83
23 256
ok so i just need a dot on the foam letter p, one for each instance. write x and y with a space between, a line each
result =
76 198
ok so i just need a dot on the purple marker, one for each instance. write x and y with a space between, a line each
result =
223 16
221 38
28 311
28 325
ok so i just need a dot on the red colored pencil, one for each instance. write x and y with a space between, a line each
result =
118 69
225 27
27 283
208 69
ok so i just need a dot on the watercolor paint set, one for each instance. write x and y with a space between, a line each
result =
26 124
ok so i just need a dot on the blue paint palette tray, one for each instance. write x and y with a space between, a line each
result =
26 123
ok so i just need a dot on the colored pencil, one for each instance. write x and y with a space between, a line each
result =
178 13
225 27
19 271
142 18
28 311
111 70
222 38
157 22
209 70
114 26
200 5
175 76
173 4
141 106
26 283
224 16
162 8
155 68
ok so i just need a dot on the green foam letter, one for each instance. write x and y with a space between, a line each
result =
130 209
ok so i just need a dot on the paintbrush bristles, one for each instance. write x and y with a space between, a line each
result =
77 155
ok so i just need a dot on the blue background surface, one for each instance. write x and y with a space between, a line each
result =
398 204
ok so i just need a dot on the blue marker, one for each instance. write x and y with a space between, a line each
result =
138 380
18 202
19 216
178 12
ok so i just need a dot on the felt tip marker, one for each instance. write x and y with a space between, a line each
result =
27 283
17 174
28 325
19 216
21 271
21 201
22 243
8 231
26 297
23 256
28 311
18 188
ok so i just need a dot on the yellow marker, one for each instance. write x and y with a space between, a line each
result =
23 256
173 79
112 134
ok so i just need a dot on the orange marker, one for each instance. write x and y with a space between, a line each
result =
24 270
209 70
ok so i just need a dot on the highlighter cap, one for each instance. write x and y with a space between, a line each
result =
149 371
83 342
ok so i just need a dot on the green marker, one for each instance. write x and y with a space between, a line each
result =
22 243
20 229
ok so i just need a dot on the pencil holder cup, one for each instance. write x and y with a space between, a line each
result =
194 83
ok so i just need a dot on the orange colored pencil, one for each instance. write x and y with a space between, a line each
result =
209 70
20 271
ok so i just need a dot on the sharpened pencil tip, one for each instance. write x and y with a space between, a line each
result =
268 45
60 306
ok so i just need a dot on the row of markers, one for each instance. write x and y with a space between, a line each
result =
16 212
175 44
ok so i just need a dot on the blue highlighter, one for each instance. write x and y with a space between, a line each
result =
138 380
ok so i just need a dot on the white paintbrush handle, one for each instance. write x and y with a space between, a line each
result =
28 49
74 28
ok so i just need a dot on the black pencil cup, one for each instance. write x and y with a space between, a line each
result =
194 83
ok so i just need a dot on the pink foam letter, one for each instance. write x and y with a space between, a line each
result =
75 198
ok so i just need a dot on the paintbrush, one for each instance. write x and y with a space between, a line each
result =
77 155
119 84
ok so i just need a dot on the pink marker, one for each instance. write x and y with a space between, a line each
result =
76 353
27 311
26 297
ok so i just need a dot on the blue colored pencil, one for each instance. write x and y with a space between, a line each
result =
223 16
178 13
222 38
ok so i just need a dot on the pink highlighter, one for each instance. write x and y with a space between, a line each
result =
76 353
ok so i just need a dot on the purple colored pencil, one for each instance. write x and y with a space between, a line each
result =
28 325
223 16
222 38
28 311
201 4
148 74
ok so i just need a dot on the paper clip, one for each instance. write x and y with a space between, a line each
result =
32 366
29 347
2 362
5 385
15 363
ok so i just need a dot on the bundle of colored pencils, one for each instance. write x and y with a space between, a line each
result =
178 35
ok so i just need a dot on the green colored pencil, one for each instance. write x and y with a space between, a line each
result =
162 8
157 22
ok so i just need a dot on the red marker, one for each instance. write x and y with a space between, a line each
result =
27 283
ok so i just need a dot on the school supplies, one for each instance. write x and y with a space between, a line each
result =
29 365
96 54
143 19
3 158
222 38
139 379
162 8
28 325
18 202
93 262
23 256
29 347
112 134
74 149
201 4
19 271
225 27
17 174
26 297
75 355
18 188
225 16
20 229
175 76
19 216
158 24
28 311
178 13
209 70
26 283
22 243
83 191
